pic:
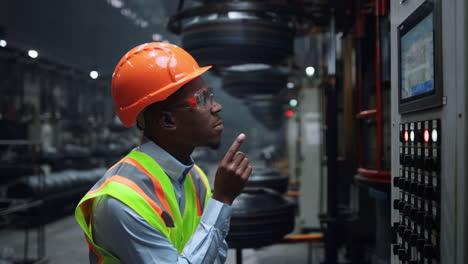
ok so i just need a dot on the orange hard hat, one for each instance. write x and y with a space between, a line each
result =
150 73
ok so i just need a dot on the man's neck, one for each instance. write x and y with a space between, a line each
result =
179 151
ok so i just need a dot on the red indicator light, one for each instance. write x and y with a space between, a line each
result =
289 113
426 135
406 137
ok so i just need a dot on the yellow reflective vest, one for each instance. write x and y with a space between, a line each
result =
140 183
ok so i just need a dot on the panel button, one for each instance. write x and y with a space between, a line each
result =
402 254
428 251
396 247
396 181
429 221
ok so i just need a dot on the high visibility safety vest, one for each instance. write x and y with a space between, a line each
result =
140 183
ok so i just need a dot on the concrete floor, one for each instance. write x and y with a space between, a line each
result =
65 243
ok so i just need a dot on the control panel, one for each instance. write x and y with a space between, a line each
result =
416 236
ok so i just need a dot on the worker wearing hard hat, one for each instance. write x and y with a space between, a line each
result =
155 205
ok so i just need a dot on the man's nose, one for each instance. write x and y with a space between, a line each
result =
216 107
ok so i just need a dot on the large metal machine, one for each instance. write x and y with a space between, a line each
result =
429 136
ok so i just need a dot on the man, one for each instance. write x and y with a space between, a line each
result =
155 205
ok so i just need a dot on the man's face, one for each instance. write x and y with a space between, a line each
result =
198 125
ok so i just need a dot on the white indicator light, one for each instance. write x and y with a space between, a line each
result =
293 102
412 135
3 43
434 135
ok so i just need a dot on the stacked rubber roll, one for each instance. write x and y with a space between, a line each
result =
260 217
224 42
269 178
59 191
245 84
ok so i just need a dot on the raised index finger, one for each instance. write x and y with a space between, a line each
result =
234 147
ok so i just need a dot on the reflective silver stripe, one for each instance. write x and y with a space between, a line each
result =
200 186
143 181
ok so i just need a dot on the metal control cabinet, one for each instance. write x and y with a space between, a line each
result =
417 231
429 171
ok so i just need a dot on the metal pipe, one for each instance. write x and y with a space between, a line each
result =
359 36
331 243
378 84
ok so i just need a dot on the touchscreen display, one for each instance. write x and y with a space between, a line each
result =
417 59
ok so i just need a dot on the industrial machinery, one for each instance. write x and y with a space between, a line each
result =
429 136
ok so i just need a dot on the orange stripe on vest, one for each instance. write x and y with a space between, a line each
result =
157 186
133 186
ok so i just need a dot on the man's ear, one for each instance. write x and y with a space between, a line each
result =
166 120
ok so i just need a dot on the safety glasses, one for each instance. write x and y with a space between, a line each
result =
202 99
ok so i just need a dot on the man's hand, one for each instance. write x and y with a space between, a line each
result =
232 174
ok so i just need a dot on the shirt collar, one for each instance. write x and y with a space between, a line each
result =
170 165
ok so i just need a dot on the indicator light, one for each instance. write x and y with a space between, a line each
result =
434 135
289 113
426 135
412 136
406 136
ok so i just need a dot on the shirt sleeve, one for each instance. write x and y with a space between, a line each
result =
125 234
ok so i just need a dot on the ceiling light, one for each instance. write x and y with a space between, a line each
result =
310 71
33 54
94 74
115 3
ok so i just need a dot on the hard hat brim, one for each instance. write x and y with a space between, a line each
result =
129 113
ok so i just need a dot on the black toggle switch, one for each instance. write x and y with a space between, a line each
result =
429 164
413 187
406 184
406 209
413 239
396 247
401 205
429 221
396 182
408 161
396 204
402 254
430 193
406 234
420 243
420 217
401 228
419 162
420 189
413 213
428 251
395 232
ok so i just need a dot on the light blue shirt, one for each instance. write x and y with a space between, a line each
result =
124 233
